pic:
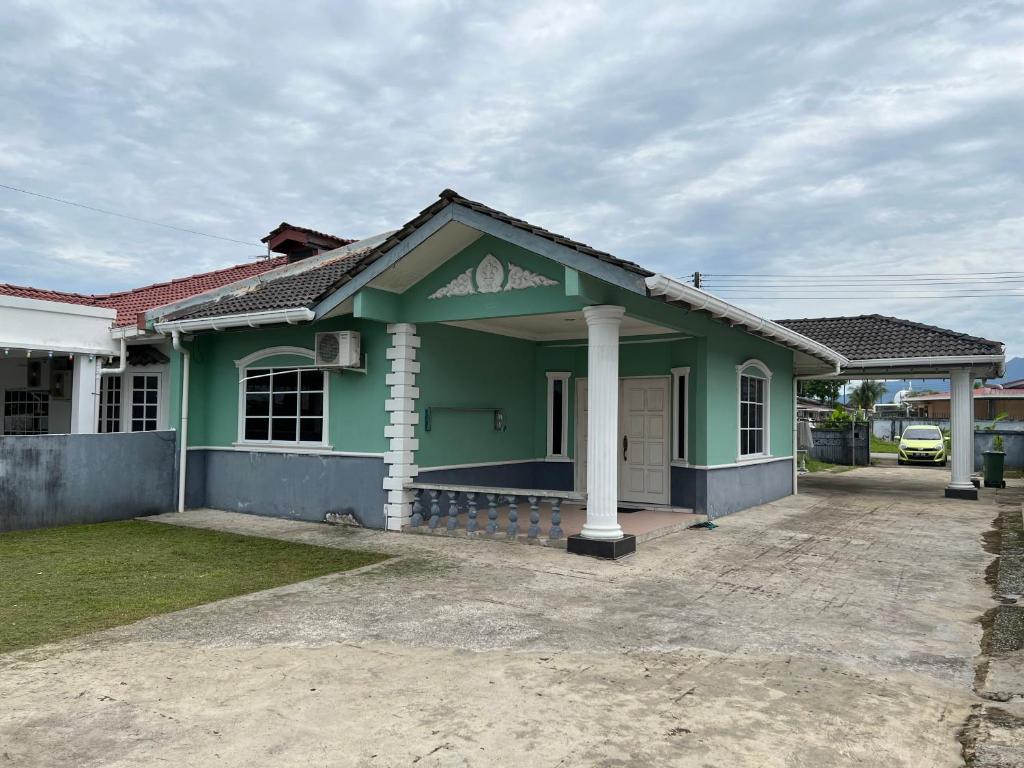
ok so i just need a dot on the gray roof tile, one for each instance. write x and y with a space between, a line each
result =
874 337
307 288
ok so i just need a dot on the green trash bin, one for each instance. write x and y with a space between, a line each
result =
993 461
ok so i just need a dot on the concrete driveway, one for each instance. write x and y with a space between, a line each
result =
836 628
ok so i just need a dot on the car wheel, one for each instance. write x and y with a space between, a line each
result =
901 462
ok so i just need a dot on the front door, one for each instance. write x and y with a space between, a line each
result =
643 439
643 461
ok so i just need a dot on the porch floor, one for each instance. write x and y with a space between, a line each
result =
645 524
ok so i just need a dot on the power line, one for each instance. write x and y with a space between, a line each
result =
880 285
899 297
129 217
861 275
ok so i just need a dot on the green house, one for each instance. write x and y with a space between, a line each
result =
471 367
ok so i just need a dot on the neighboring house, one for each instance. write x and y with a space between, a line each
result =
989 402
495 360
60 366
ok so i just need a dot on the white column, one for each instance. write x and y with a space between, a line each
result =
83 394
961 428
402 419
603 422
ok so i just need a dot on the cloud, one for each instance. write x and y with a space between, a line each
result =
743 137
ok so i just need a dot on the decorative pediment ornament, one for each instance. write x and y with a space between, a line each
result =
523 278
460 286
490 274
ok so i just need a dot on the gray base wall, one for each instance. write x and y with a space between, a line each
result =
1013 446
552 475
48 480
289 485
722 491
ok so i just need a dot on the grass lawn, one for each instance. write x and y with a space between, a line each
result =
813 465
878 445
56 583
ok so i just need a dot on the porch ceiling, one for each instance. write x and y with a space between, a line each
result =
554 327
448 241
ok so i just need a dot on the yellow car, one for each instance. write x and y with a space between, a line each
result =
922 445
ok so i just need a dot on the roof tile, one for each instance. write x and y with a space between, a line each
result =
874 337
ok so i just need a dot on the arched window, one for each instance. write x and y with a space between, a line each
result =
753 385
282 398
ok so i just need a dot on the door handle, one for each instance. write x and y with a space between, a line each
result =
625 447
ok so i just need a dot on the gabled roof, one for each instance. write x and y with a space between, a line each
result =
877 337
309 287
129 303
284 226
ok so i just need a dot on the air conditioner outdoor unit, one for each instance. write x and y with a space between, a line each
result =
337 349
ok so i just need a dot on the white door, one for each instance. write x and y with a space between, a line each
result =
644 435
643 439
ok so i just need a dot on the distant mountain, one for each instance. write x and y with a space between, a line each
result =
1014 370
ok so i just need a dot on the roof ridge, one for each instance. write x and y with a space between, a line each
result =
93 296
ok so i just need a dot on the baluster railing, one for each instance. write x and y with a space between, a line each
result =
555 532
471 524
513 517
492 513
534 530
435 510
417 510
453 510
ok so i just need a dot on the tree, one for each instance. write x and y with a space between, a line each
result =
824 390
866 394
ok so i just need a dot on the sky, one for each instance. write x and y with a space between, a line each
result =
793 141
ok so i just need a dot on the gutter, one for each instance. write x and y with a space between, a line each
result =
186 358
954 360
291 316
670 288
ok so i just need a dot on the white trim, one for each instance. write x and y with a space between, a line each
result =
766 425
903 361
747 463
680 443
291 316
251 361
623 341
269 448
480 464
552 377
271 352
670 288
58 307
244 448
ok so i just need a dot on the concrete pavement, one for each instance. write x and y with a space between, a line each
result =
839 627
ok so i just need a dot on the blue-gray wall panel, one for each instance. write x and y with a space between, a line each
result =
49 480
290 485
551 475
731 489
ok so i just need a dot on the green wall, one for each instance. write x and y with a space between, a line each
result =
356 400
463 368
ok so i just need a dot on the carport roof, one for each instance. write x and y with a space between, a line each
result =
877 337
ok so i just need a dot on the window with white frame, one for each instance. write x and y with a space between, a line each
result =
145 401
680 413
283 406
754 388
110 404
558 415
26 412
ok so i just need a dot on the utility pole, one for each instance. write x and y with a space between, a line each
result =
696 279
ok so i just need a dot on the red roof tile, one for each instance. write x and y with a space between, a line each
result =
129 303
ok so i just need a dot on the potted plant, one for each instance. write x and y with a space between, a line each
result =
993 461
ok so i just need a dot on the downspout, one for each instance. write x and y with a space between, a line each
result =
100 373
183 454
796 436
